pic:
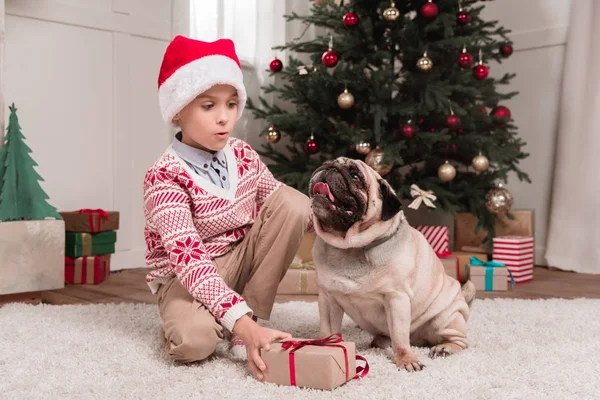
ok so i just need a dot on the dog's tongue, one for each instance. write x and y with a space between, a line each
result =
323 189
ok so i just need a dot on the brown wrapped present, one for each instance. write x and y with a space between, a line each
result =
90 221
489 275
318 364
454 268
465 238
299 281
464 257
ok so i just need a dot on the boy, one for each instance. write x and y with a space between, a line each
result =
220 230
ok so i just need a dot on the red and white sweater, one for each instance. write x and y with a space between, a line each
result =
190 221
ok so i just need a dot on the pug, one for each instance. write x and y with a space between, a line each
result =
373 266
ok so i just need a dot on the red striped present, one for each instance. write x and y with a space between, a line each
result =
437 236
517 253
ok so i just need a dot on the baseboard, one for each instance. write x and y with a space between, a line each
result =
128 259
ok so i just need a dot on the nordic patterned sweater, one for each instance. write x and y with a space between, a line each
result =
190 221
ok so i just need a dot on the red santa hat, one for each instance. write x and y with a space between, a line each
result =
190 67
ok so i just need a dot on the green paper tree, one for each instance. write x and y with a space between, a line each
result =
21 196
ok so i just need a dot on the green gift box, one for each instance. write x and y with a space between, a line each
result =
90 244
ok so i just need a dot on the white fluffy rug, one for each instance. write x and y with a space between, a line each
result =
520 349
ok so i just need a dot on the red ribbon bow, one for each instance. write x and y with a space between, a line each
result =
442 254
330 341
90 212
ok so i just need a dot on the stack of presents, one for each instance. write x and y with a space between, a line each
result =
90 239
459 247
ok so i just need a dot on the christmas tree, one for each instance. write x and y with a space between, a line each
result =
405 87
21 196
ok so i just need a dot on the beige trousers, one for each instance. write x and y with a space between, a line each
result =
253 268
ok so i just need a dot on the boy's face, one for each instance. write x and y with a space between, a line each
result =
207 121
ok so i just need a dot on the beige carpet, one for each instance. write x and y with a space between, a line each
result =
521 349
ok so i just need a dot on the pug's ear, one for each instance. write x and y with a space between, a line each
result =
390 203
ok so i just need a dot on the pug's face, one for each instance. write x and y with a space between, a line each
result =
345 193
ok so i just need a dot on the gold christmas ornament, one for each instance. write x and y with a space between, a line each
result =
363 148
499 199
375 160
273 134
391 13
480 163
345 100
424 63
446 172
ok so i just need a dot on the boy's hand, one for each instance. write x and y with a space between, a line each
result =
256 337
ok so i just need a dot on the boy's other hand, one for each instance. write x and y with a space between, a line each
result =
256 337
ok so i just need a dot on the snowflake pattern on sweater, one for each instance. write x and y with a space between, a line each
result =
189 222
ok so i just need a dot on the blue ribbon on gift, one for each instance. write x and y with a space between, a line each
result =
489 271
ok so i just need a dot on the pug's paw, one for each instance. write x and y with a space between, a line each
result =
409 362
444 350
381 342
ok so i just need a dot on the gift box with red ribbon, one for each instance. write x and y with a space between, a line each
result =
437 236
318 364
87 270
90 221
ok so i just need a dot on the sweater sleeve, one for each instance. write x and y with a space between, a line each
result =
169 210
267 183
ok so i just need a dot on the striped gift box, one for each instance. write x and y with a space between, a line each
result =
437 236
516 252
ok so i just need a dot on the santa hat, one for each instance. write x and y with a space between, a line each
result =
190 67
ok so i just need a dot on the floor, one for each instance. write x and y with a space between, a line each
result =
129 286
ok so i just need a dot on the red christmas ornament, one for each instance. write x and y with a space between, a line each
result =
506 50
465 60
311 146
408 130
482 110
500 115
429 10
480 71
463 18
329 59
276 65
453 122
350 20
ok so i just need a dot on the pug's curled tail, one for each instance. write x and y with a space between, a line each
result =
468 290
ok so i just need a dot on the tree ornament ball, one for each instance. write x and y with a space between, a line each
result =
499 200
480 71
500 115
480 163
311 146
453 122
273 135
446 172
429 10
276 65
375 160
465 60
345 100
350 19
329 59
363 148
425 64
463 18
391 13
408 130
506 50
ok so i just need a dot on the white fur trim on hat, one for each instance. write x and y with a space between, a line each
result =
196 77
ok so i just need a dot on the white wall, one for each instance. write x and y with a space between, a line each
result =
83 75
539 31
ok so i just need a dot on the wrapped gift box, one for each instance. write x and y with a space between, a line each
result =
87 270
437 236
31 256
455 269
517 253
315 366
465 238
91 221
299 281
492 276
88 244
